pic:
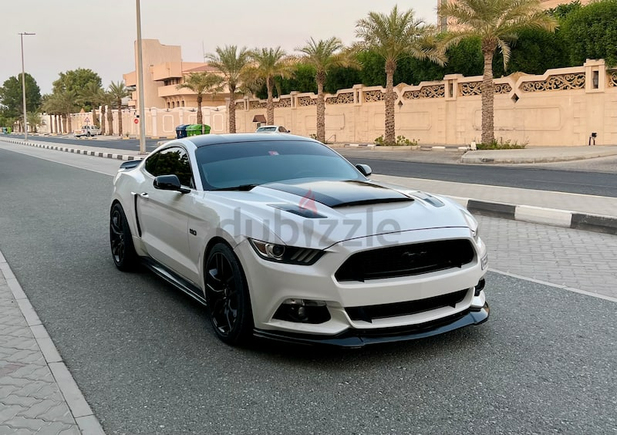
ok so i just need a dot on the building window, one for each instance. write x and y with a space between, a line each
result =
182 103
168 105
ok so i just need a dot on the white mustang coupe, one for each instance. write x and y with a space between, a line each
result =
281 237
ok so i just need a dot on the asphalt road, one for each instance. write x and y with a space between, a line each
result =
558 178
591 178
147 361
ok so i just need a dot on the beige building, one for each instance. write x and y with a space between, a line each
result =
163 70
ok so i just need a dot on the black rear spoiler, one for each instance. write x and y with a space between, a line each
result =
130 164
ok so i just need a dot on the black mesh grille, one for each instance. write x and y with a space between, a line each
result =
406 260
371 312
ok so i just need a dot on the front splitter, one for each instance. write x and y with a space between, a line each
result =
357 338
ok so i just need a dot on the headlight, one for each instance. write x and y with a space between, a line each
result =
286 254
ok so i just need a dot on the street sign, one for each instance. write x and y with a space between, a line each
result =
136 121
87 120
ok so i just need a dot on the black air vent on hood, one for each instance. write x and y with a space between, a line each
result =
340 193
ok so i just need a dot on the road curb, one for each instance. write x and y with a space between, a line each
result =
87 422
74 150
540 215
525 213
375 147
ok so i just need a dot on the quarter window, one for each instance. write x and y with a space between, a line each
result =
171 161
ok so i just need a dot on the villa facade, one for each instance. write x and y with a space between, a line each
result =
163 71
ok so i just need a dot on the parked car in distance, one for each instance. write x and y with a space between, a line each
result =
88 130
280 237
272 128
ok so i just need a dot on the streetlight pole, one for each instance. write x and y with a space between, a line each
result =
23 82
140 86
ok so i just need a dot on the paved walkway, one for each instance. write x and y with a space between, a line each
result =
38 394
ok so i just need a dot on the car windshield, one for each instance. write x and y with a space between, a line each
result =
242 165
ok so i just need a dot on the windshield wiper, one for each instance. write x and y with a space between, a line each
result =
241 188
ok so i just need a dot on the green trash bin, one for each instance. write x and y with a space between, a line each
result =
196 129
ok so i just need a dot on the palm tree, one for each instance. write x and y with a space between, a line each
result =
118 91
107 101
65 101
268 64
496 22
91 95
51 106
232 63
393 37
201 83
322 56
34 120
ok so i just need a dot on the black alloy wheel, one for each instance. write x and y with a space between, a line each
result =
227 296
121 241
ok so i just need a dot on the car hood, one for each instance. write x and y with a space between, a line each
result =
321 213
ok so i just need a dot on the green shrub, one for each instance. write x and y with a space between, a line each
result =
400 141
500 145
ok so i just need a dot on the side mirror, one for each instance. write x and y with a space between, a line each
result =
169 182
364 169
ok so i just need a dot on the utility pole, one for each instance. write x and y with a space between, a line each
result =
140 86
23 82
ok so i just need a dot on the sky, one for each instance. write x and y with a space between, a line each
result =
99 34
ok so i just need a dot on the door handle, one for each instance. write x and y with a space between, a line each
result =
144 195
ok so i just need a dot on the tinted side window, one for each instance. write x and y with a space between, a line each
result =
171 161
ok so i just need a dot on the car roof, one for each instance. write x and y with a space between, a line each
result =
212 139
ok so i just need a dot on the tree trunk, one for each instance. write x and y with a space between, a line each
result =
320 78
270 103
110 121
232 109
199 114
390 131
488 93
120 117
94 118
103 119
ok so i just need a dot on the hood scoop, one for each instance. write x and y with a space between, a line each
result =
299 211
336 194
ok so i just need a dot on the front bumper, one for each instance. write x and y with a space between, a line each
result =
357 338
376 310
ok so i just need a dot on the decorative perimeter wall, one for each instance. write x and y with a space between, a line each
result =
562 107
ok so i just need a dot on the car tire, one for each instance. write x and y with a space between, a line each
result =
227 296
121 241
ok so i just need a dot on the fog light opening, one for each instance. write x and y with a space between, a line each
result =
479 287
303 311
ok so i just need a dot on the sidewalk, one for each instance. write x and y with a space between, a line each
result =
37 393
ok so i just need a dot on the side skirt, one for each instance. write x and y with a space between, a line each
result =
174 279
